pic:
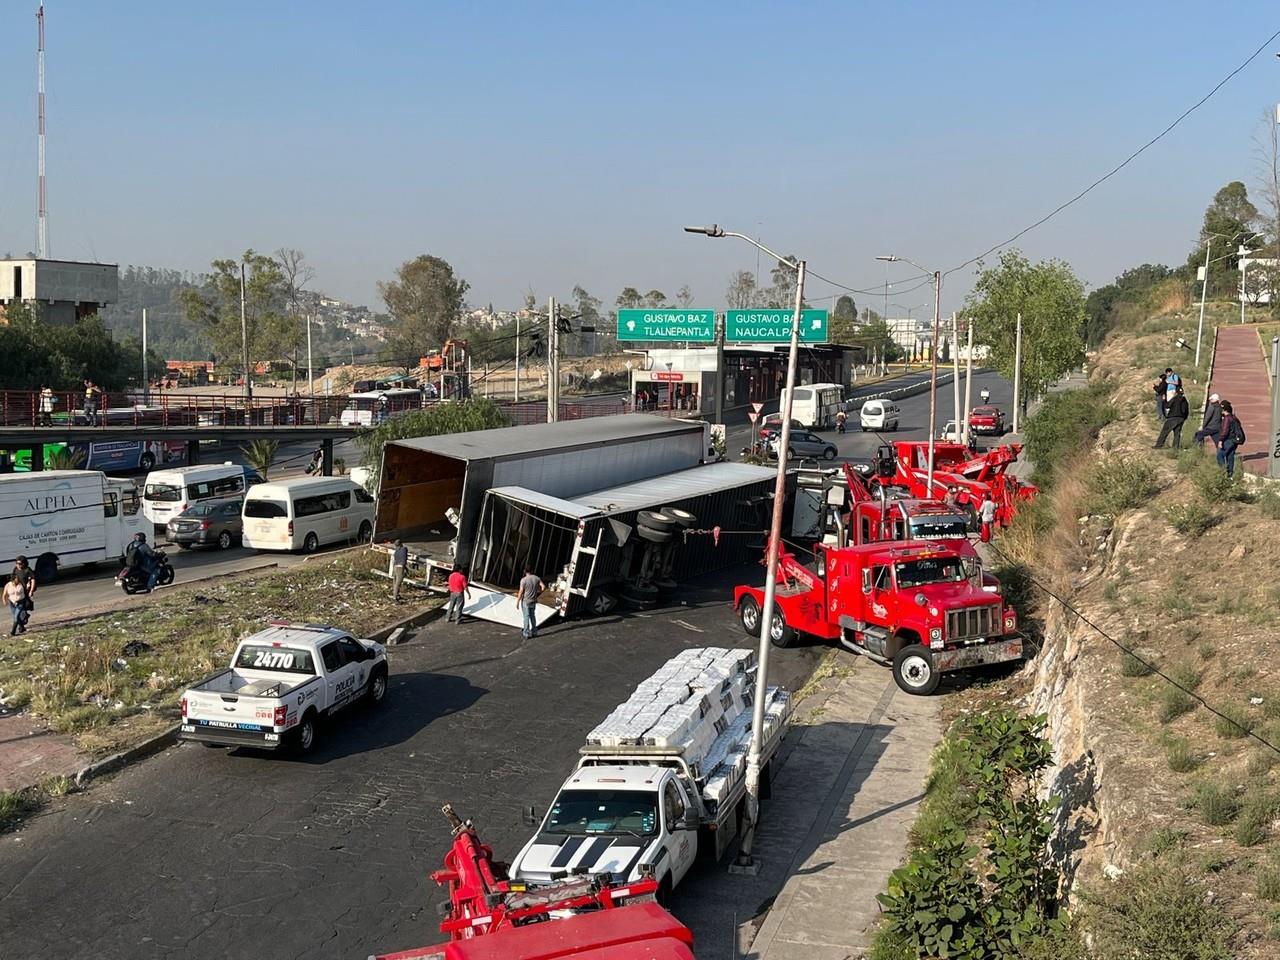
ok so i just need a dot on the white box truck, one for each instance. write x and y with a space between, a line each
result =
663 778
61 518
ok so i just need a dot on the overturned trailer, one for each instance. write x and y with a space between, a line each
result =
564 499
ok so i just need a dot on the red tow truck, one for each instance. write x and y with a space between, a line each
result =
924 608
905 463
878 512
491 917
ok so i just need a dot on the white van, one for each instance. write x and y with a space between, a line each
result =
167 493
306 513
878 415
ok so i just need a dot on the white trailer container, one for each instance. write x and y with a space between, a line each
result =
61 518
663 778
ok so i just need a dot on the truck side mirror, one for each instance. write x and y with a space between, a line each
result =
866 581
688 822
529 816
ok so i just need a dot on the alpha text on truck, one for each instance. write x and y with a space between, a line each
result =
662 779
61 518
280 684
923 607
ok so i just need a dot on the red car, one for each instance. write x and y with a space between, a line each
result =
772 424
986 420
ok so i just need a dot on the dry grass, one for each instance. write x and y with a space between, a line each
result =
82 677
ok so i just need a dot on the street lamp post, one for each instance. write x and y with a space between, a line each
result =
746 862
933 356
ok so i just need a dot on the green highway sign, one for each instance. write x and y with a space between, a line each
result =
774 326
695 326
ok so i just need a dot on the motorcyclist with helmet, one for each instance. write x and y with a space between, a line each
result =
143 556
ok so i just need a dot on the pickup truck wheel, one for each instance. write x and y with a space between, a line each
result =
377 686
914 671
749 614
304 736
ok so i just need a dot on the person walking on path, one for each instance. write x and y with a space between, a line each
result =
1212 425
399 561
1175 415
459 590
527 596
46 406
15 595
22 570
1161 390
1230 436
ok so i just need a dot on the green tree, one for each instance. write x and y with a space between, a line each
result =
215 308
61 356
654 299
261 454
1228 223
629 299
684 296
425 303
478 413
1051 300
782 292
844 320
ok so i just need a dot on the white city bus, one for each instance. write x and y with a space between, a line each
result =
373 407
815 404
306 513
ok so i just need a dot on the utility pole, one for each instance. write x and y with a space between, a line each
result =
721 322
1017 374
42 215
968 377
933 376
1274 469
553 363
1243 273
146 382
517 395
311 374
955 372
244 344
1204 287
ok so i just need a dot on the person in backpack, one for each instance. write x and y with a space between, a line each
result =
1175 415
1212 425
1230 437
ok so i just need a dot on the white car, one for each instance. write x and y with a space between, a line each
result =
878 415
281 681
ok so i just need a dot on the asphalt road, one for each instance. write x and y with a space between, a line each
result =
200 853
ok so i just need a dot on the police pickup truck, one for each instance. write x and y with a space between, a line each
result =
281 681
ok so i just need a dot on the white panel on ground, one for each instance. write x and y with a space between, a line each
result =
489 603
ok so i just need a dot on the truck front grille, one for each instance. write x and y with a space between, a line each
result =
973 622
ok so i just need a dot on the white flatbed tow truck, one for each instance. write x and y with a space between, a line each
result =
662 779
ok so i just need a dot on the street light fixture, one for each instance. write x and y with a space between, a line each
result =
933 354
745 862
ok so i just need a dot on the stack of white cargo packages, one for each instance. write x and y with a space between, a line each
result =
698 705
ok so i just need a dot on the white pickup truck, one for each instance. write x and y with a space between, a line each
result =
662 779
281 681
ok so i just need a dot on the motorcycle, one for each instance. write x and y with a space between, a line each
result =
134 579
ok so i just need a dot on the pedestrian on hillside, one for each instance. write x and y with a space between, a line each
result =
987 514
1212 425
1230 436
459 591
1176 413
91 393
399 561
46 406
15 595
527 596
1171 384
1161 389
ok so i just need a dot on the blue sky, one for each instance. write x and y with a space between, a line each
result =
552 144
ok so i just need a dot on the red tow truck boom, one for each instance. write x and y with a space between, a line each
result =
579 918
954 465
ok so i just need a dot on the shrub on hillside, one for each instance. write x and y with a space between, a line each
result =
1121 483
1065 423
1157 910
1216 487
1192 519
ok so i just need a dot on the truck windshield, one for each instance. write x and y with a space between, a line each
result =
164 492
604 811
916 573
936 528
283 659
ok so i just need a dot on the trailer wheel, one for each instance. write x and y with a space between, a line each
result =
46 568
146 461
682 518
655 520
653 536
666 586
749 614
914 671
